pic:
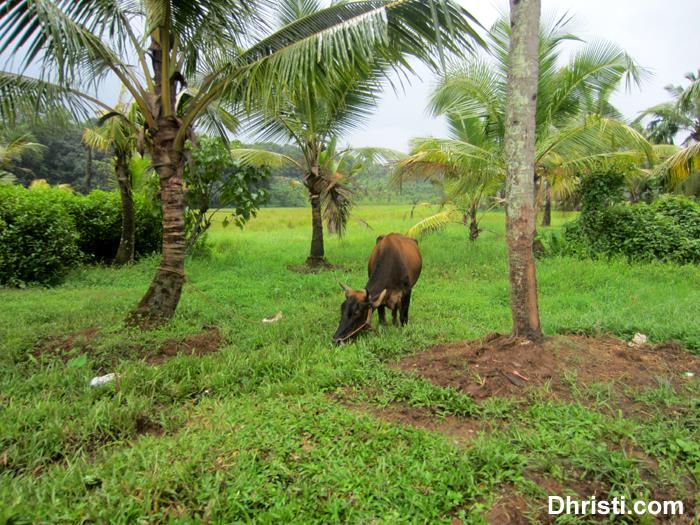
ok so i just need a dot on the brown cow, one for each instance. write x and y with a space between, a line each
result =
394 267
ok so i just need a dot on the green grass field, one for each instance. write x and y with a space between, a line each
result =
256 433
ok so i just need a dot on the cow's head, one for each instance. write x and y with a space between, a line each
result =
355 312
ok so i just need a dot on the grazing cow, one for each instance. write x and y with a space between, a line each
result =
394 267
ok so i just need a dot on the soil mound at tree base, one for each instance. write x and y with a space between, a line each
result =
500 365
86 341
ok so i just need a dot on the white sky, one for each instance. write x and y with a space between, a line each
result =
661 35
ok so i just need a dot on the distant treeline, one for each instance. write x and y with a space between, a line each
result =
66 160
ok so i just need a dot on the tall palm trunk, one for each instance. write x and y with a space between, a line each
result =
520 160
547 212
317 255
125 252
162 296
473 224
88 170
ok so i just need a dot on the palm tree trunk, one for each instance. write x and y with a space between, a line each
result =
125 252
88 170
547 212
161 298
473 224
317 254
520 162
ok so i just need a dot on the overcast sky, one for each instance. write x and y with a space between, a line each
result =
661 35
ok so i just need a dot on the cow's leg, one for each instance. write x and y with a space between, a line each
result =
394 320
405 303
382 314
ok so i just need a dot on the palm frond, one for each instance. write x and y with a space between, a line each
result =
97 139
359 33
691 95
7 179
12 148
434 223
46 30
379 155
680 166
23 95
336 203
292 10
262 158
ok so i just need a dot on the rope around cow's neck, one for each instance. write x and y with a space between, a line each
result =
370 311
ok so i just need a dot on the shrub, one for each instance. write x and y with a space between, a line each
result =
666 230
98 220
87 228
38 239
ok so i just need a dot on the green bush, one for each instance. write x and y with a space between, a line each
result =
85 228
98 220
38 239
666 230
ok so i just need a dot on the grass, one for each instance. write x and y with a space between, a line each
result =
256 432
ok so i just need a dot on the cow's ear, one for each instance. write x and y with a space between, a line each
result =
380 298
346 289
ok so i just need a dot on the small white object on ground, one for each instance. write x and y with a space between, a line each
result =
273 318
102 380
689 374
639 339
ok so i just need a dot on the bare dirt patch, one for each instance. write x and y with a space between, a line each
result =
316 267
146 426
460 429
205 342
499 365
69 346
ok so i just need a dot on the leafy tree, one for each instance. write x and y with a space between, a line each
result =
64 158
222 42
216 180
667 120
467 179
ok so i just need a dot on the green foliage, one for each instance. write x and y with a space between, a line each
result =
666 230
217 181
284 192
64 157
87 229
280 426
38 239
98 221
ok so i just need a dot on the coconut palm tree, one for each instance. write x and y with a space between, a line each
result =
466 179
155 47
314 121
119 136
577 128
335 170
681 115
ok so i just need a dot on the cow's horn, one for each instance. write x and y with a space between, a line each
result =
378 301
346 289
